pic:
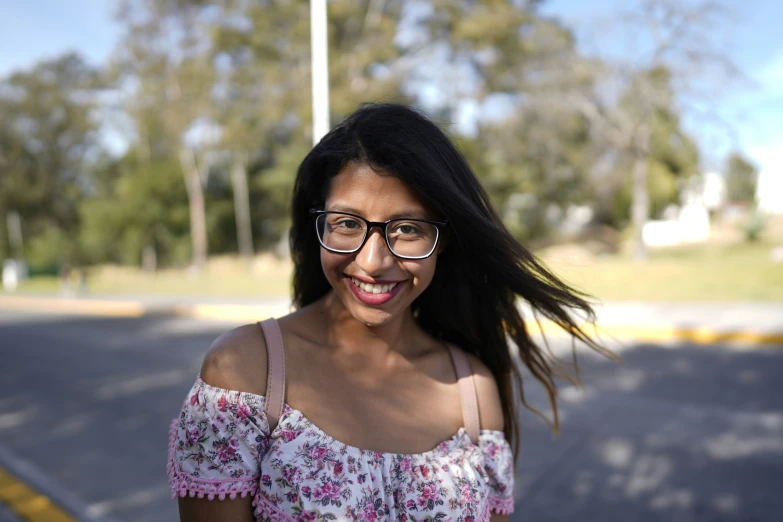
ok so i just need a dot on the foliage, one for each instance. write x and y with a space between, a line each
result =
741 177
754 225
47 133
206 90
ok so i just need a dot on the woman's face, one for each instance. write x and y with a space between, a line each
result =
359 190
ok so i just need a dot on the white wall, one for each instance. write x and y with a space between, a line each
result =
769 191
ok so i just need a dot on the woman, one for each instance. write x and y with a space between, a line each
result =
389 393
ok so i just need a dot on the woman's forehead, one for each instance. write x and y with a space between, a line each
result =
358 189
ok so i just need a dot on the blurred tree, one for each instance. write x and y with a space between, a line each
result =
240 69
473 50
47 138
143 209
260 100
673 157
673 57
263 100
164 57
221 93
532 177
741 176
502 62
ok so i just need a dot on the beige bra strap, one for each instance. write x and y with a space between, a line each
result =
467 391
275 380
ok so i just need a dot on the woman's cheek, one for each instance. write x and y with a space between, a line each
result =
422 273
330 264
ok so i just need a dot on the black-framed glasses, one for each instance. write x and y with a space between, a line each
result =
344 233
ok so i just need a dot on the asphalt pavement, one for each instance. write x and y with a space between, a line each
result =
677 432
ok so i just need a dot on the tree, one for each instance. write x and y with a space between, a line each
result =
163 53
741 177
141 211
501 60
263 101
47 137
679 55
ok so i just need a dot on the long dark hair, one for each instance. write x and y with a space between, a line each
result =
472 299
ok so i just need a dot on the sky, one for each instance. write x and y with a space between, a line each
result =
37 29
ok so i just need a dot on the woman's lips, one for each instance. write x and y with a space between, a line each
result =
374 299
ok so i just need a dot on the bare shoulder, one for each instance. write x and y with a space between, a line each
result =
490 409
237 360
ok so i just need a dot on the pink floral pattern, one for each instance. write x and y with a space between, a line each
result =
220 446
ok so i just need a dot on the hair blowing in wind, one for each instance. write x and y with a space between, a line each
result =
472 300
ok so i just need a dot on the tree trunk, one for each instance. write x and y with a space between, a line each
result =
149 259
640 204
15 243
242 208
198 217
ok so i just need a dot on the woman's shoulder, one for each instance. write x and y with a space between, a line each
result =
236 360
490 408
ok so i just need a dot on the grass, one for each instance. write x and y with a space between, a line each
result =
726 268
223 277
700 272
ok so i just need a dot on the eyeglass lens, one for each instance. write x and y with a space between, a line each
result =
406 238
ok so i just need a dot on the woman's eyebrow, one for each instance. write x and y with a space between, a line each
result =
410 213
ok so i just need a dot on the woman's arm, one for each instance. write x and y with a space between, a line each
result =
489 406
235 361
228 510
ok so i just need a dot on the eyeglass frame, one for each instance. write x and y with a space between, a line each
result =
314 213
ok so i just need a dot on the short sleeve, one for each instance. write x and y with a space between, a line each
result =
498 469
216 444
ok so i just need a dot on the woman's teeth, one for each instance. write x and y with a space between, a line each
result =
373 289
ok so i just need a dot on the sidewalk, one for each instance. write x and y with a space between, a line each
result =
699 323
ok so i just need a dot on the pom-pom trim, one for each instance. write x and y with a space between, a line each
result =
184 485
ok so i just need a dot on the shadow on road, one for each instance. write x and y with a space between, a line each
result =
90 400
675 433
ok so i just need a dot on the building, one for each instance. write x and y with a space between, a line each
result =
769 191
713 190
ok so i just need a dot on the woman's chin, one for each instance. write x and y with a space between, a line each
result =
368 316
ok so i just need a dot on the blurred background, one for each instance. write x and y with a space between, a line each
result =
148 150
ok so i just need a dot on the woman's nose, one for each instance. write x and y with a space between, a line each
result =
374 256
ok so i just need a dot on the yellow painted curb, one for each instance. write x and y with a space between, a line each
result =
28 503
73 306
247 313
651 333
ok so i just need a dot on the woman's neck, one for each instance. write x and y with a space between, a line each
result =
350 337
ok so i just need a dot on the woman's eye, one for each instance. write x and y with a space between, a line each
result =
348 223
407 229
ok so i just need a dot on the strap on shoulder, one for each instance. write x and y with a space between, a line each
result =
467 391
275 380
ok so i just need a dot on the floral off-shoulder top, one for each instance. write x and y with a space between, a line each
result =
221 446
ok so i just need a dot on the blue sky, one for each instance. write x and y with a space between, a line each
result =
38 29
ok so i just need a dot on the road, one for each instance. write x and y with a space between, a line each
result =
675 433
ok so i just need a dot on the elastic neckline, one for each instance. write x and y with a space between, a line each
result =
310 427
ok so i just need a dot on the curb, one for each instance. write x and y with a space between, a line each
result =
245 313
35 497
74 306
252 313
664 333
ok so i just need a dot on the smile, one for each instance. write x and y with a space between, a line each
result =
374 289
374 294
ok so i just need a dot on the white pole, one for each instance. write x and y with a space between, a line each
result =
319 46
